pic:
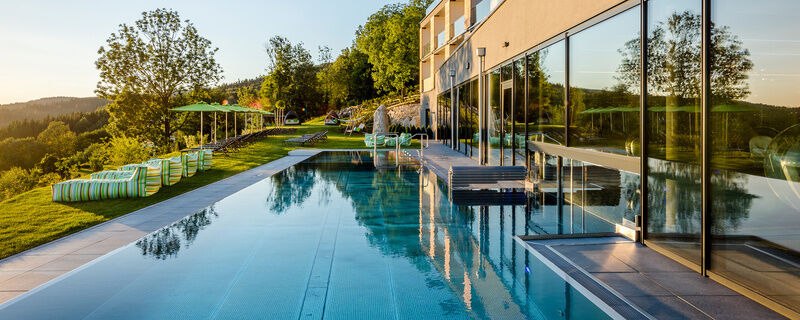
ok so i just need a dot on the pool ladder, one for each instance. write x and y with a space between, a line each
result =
424 142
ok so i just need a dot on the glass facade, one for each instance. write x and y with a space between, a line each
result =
494 122
604 85
468 118
729 208
755 147
517 138
673 113
546 77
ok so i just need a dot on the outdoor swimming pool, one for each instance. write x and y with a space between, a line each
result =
331 237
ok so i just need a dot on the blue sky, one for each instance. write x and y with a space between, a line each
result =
49 47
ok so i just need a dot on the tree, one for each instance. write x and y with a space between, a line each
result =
391 40
145 68
291 77
58 139
348 78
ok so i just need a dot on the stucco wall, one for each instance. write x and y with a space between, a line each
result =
521 23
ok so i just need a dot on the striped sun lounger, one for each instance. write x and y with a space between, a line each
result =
188 163
204 159
153 176
104 185
171 170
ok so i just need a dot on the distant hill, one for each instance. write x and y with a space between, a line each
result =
47 107
253 83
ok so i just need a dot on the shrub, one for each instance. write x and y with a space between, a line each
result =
24 153
48 164
124 150
15 181
58 139
49 179
96 156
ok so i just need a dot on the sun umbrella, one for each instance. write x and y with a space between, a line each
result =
200 107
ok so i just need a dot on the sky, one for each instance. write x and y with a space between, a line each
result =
48 48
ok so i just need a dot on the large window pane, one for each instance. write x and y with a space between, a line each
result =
465 118
755 123
518 140
674 185
494 118
604 81
473 102
546 78
443 125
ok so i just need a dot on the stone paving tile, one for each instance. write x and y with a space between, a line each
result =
26 262
110 244
667 307
690 283
29 280
5 275
731 307
67 262
600 262
631 284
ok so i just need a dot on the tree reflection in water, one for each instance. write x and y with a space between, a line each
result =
166 243
290 188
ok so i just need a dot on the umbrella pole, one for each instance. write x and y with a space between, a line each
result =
226 126
235 129
201 130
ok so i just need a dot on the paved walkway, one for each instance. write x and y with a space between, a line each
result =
34 267
440 157
623 273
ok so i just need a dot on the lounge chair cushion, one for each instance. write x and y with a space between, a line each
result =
153 176
171 170
205 159
105 185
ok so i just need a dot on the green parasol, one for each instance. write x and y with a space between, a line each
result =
201 107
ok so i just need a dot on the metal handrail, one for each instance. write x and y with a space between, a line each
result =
544 135
427 143
396 145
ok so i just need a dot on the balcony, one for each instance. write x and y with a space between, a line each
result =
458 27
425 50
441 39
427 84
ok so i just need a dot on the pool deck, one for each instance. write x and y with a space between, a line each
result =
29 269
619 271
440 157
634 280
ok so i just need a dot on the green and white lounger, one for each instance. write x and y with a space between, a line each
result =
371 140
205 159
171 170
188 164
153 176
107 185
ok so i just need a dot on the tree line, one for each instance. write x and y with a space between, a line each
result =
161 61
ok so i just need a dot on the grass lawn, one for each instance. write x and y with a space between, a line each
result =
32 219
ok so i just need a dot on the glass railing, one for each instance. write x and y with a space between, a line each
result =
431 6
482 10
458 26
426 49
441 39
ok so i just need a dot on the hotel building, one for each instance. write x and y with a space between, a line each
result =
701 158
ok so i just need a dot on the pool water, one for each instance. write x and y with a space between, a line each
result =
331 237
